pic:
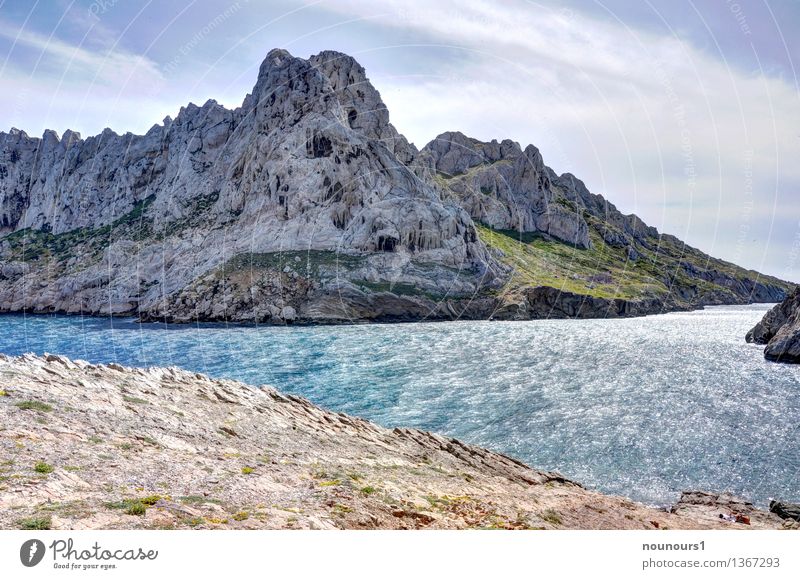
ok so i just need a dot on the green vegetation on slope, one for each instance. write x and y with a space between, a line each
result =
602 271
307 262
668 267
33 244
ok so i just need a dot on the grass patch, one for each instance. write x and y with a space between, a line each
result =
123 504
542 262
35 524
247 470
43 468
34 405
72 509
148 440
241 516
3 393
330 483
136 508
152 499
368 490
30 244
551 516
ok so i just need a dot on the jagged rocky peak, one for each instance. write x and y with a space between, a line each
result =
287 89
453 153
507 187
503 186
313 138
361 102
329 83
308 159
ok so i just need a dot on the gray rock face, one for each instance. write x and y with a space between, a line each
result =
780 331
309 162
504 187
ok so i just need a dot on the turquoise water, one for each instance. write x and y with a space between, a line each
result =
641 407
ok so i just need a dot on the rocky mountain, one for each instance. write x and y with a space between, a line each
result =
305 204
88 446
780 331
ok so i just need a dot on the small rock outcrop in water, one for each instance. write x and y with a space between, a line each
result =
103 446
305 204
780 331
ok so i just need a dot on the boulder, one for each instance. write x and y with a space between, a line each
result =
780 331
785 510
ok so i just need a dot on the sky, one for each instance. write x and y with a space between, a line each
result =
685 112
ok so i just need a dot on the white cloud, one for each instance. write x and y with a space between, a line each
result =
68 85
107 67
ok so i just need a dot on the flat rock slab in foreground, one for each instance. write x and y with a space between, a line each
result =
88 446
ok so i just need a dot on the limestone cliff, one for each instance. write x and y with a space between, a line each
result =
504 187
306 204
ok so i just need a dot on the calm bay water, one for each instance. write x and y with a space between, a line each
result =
641 407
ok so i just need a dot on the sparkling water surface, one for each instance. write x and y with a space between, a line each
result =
642 407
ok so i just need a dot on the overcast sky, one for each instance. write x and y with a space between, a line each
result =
684 112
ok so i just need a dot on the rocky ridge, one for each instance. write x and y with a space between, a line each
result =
306 204
86 446
779 330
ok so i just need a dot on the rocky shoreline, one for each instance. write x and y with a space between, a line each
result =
87 446
533 303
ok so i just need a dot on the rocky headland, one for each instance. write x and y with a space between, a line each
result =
779 330
86 446
305 204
